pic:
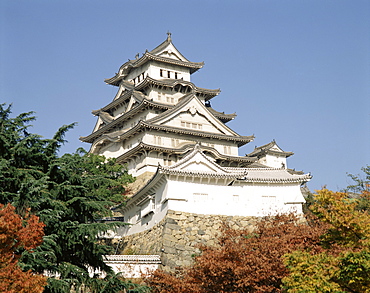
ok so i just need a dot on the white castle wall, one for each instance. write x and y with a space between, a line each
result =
252 200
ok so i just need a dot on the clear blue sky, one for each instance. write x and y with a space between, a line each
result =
294 71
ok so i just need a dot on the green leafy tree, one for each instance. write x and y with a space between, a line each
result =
344 264
360 182
69 194
361 185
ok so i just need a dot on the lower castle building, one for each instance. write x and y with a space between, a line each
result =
189 175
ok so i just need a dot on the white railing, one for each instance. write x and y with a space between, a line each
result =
142 259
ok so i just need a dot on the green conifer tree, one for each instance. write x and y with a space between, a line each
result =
70 194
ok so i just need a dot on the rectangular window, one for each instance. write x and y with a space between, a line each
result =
169 74
161 72
175 75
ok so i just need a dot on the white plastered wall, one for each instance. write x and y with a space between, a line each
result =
238 200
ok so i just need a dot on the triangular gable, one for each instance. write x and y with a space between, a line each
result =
275 148
270 147
134 102
197 161
192 110
168 49
171 52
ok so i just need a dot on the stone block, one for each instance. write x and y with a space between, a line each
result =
180 247
169 238
170 250
173 227
171 221
201 232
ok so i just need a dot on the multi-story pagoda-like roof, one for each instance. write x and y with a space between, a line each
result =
174 57
158 116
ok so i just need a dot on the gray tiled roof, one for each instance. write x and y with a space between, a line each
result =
169 82
266 149
184 149
272 175
106 129
128 66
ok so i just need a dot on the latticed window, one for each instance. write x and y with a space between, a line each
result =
191 125
158 140
227 149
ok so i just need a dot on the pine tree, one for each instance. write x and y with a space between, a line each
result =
69 194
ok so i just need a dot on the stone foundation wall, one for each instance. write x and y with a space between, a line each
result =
176 237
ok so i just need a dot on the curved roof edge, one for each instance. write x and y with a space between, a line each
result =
152 55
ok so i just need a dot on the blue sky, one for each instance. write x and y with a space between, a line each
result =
294 71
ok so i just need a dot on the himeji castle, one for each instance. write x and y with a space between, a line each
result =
181 151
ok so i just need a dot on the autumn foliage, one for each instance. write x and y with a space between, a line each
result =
329 252
344 263
244 261
17 234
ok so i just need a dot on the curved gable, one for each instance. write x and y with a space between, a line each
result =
191 113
